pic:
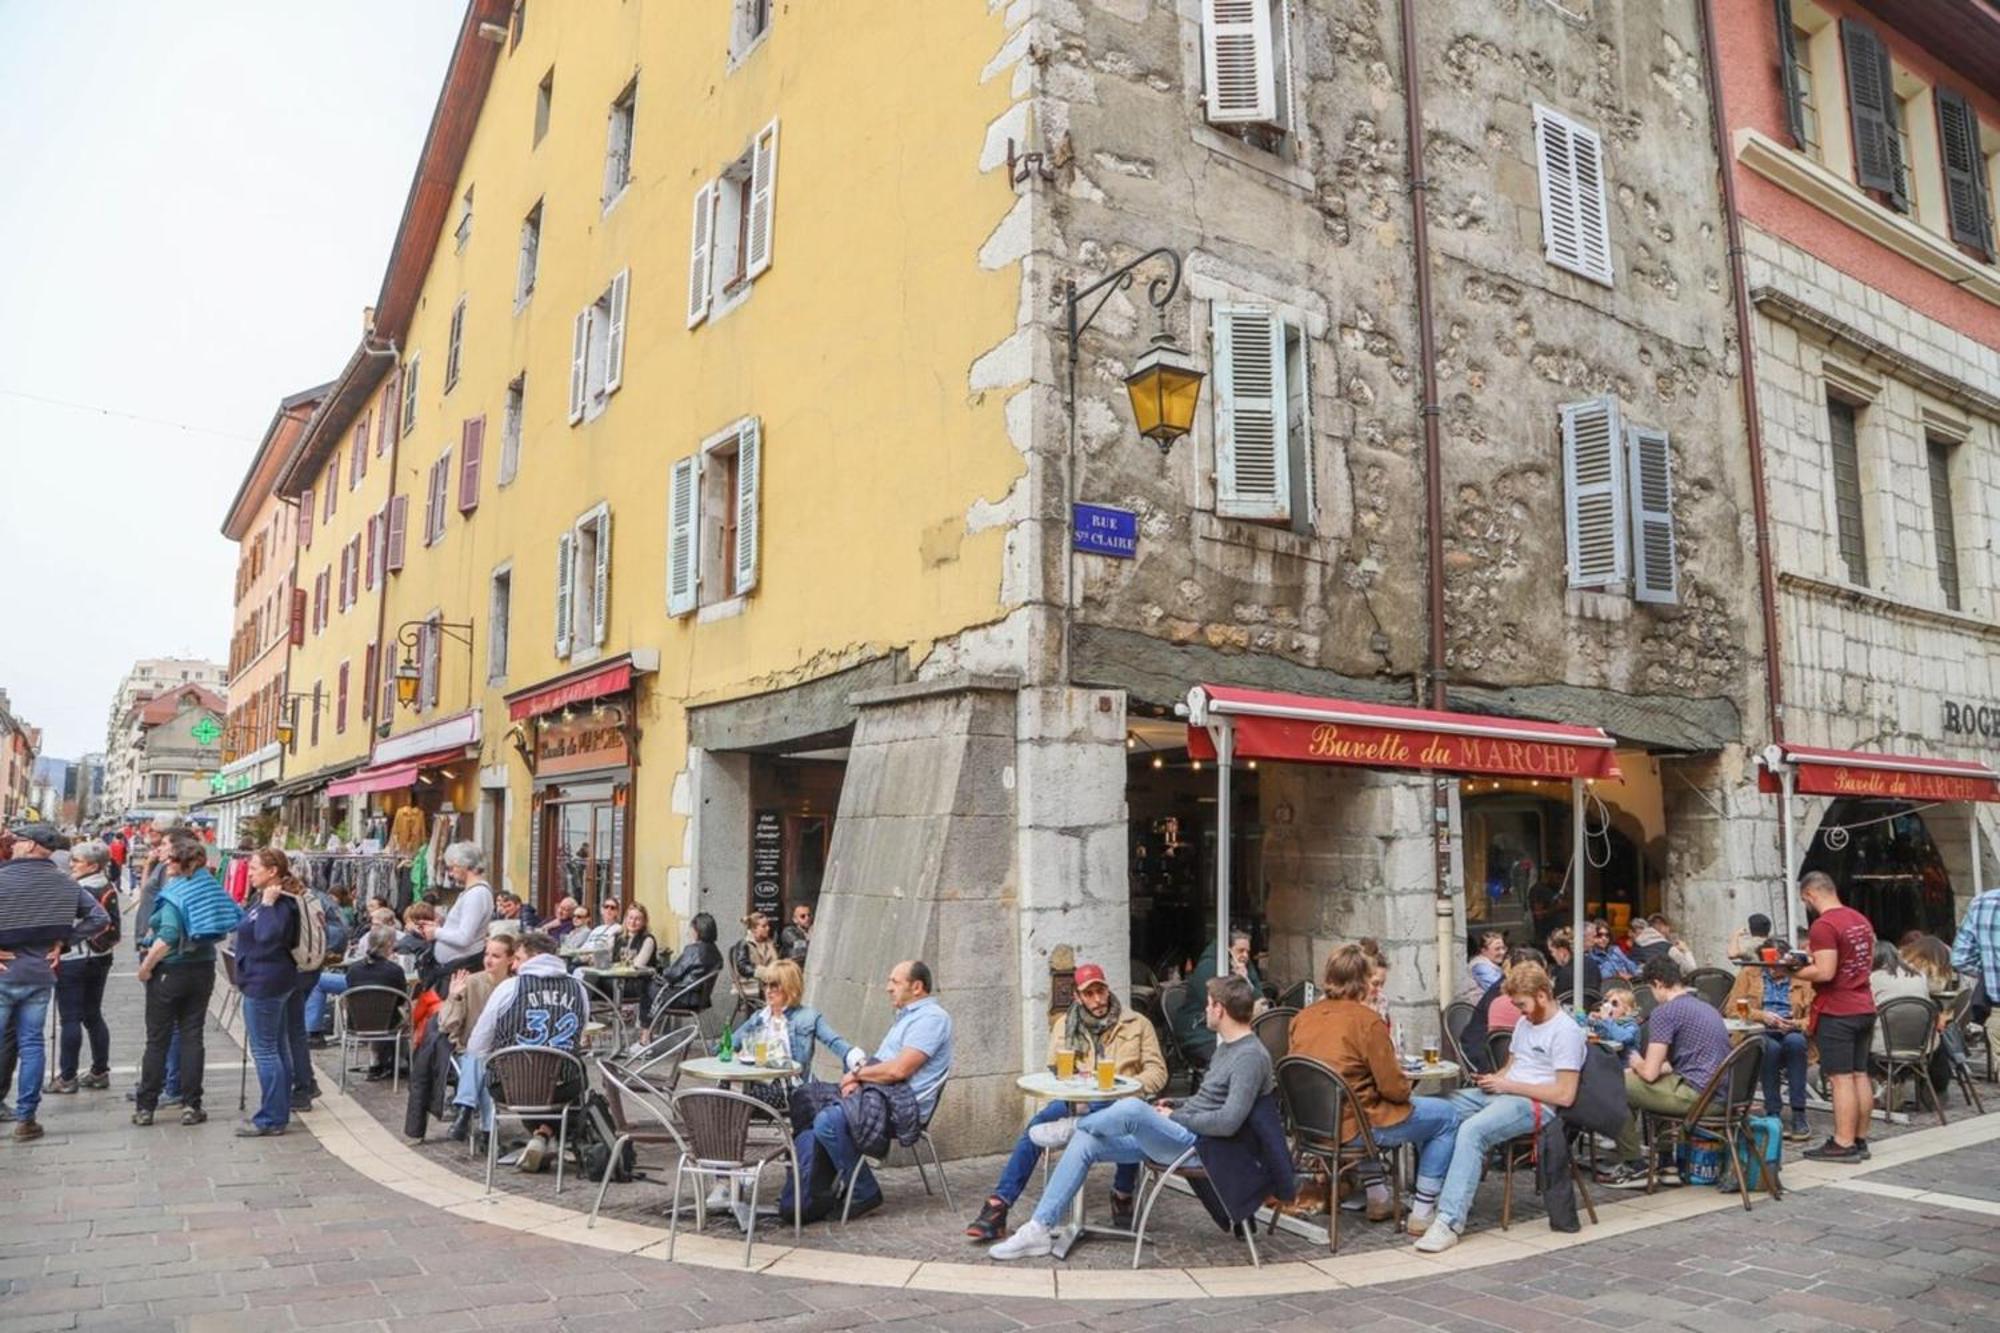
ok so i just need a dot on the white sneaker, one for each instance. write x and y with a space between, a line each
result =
1030 1242
1052 1134
1438 1239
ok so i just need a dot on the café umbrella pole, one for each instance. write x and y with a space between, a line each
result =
1576 863
1225 760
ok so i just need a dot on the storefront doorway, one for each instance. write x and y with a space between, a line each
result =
1171 807
1518 840
1887 866
793 801
583 830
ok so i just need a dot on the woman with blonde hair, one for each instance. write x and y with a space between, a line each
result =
791 1028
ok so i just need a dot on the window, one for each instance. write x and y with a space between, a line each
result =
1618 516
471 457
358 454
319 688
410 395
306 517
583 582
463 232
1796 70
732 232
395 528
618 144
545 94
1246 69
1944 523
354 569
430 647
531 249
1968 198
510 429
597 350
1263 419
714 518
1576 227
330 492
435 501
752 21
517 23
163 786
1873 113
1841 422
340 701
453 344
499 605
391 391
368 683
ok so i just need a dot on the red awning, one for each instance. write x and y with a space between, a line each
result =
1307 730
393 777
612 679
1819 772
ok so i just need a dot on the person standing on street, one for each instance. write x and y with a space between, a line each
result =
190 913
460 942
268 973
80 977
1842 944
42 912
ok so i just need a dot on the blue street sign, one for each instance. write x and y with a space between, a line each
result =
1102 530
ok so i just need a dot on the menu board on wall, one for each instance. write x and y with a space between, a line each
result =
767 862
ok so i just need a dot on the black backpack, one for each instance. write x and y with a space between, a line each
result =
598 1134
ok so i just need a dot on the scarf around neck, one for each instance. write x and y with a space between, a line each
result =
1081 1026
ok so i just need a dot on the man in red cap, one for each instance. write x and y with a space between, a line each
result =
1095 1025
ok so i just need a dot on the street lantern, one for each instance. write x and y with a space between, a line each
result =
285 732
1164 387
408 677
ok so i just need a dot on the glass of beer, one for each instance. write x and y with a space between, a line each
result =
1431 1052
1107 1074
1743 1008
763 1049
1065 1064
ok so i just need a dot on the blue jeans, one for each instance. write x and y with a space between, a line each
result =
1022 1161
329 983
1483 1122
1787 1049
472 1088
1433 1126
305 1082
24 1013
1125 1132
270 1049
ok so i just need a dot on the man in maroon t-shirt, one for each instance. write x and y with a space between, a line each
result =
1842 944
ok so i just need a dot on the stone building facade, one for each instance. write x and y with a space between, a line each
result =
148 678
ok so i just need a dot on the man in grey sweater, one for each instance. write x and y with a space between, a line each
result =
1131 1130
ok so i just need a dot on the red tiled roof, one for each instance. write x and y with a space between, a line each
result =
167 706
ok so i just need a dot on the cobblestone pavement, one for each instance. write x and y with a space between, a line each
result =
103 1225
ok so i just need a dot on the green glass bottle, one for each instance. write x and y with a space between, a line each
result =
727 1052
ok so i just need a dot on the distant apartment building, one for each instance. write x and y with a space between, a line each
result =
180 749
147 679
19 744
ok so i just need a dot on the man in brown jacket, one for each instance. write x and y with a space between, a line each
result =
1344 1033
1095 1026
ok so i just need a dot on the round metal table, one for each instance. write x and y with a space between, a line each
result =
1082 1090
717 1070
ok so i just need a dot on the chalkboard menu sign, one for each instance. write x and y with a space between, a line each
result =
767 863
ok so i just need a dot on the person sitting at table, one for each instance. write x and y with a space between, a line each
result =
907 1071
1611 960
1190 1028
419 927
1343 1032
795 939
633 945
755 950
334 981
1544 1067
540 1004
378 967
510 907
444 1047
1133 1130
1495 1011
1562 958
1686 1042
1485 967
1094 1027
1615 1021
805 1030
1777 998
675 988
563 920
1746 940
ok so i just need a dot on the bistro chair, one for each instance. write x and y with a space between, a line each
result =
657 1063
923 1144
373 1014
641 1117
1454 1048
1293 996
1643 1000
1972 985
534 1083
1172 996
1456 1015
1720 1114
1712 984
1313 1097
718 1126
1499 1046
684 1006
1274 1028
1519 1151
1589 1001
1909 1028
1957 1028
604 1009
1153 1179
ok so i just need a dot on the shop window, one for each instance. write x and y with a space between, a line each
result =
1887 865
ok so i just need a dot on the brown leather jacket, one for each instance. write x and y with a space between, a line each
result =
1351 1039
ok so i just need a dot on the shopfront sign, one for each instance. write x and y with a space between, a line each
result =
1861 774
1102 530
1965 718
588 741
767 862
613 679
222 784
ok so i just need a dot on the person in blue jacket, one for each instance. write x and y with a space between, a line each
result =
267 973
806 1028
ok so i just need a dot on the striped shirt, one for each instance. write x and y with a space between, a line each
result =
1978 945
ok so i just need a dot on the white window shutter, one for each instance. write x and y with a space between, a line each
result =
579 364
565 584
701 252
763 195
749 462
1238 62
1594 495
1655 574
614 340
1576 219
600 610
1252 478
681 538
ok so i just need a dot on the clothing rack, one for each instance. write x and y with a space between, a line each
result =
379 875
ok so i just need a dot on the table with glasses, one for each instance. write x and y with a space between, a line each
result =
1081 1090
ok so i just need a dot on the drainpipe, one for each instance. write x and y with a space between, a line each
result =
1746 347
382 588
1434 692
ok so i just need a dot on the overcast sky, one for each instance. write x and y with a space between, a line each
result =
196 201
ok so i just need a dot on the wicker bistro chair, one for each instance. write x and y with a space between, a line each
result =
1722 1112
1909 1028
371 1014
1712 984
1313 1097
643 1118
1293 996
923 1144
1957 1021
534 1083
718 1146
1274 1028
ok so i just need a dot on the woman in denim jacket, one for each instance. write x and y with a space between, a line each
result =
784 989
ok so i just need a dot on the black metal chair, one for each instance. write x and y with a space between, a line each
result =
1712 984
534 1083
1456 1015
1958 1028
1274 1028
718 1126
1721 1113
1172 996
1293 996
923 1144
642 1118
1454 1050
1908 1026
1591 999
1314 1098
1499 1046
1643 1000
374 1014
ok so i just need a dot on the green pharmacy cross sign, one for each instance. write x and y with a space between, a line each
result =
207 731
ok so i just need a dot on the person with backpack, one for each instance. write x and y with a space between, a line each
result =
322 935
190 914
269 941
81 974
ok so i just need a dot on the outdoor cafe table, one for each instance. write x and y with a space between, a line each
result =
1739 1028
725 1072
1081 1089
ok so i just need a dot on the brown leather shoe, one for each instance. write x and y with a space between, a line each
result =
1381 1212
